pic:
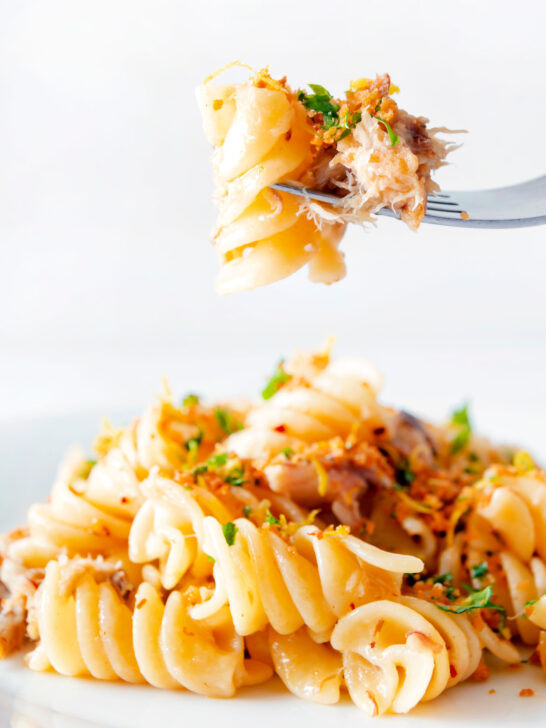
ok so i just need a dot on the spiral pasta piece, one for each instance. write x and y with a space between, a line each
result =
312 581
93 631
394 657
526 583
516 508
319 405
260 137
264 133
90 515
169 528
196 554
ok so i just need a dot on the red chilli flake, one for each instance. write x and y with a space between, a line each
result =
492 691
526 693
141 603
280 428
352 605
453 671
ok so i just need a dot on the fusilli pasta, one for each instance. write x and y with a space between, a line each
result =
263 133
188 555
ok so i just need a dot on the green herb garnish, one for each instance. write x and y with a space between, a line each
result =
211 558
446 581
278 378
461 419
226 421
190 399
479 570
477 600
347 125
230 531
287 451
192 445
270 518
404 476
321 102
393 138
216 461
86 468
236 477
247 510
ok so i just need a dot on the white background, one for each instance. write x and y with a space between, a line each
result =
106 270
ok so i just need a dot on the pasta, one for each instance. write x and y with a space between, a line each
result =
156 643
363 147
317 534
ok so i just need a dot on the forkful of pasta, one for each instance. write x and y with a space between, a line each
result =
293 168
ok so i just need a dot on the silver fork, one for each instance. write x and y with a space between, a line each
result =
522 205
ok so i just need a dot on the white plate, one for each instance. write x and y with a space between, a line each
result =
29 452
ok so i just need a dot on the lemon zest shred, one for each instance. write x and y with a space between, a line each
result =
328 346
108 437
419 507
216 73
167 393
523 462
322 477
357 83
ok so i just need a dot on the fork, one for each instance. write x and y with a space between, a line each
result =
521 205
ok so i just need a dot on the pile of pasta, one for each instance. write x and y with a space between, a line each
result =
317 534
363 148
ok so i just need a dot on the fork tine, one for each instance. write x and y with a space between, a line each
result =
516 206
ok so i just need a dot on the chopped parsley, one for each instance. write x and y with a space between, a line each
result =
446 580
216 461
230 531
347 125
270 518
200 469
211 558
530 603
278 378
393 138
236 476
476 600
460 419
404 475
192 445
287 451
247 510
190 400
226 421
321 102
479 570
86 468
